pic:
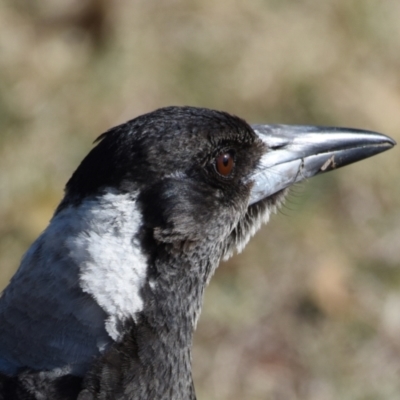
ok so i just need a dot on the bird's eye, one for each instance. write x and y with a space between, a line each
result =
224 163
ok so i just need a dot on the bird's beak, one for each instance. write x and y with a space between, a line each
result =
295 153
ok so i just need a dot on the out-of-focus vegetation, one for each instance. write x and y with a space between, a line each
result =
311 309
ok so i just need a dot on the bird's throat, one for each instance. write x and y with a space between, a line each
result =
155 368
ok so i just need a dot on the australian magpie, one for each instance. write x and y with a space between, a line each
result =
105 301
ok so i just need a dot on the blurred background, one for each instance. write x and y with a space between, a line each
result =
311 309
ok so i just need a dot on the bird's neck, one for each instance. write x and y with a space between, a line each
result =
146 364
153 303
153 358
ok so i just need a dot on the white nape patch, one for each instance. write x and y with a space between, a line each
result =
76 283
112 267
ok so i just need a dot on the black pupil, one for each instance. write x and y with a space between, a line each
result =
226 159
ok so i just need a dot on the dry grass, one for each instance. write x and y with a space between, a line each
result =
311 309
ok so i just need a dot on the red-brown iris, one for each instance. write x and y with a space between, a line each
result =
224 163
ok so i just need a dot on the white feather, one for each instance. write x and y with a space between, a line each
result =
112 266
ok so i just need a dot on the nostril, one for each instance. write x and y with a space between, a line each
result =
278 146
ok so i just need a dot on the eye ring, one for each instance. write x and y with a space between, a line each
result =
224 163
